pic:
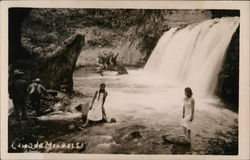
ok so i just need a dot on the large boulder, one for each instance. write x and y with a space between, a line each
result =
51 47
57 70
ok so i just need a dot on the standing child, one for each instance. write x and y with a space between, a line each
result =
188 112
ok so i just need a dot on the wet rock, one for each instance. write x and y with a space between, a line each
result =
113 120
52 92
72 127
121 70
180 149
48 111
85 110
173 139
61 96
101 144
79 108
41 137
57 106
198 135
135 135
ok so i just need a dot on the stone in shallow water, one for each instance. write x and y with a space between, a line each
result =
182 140
135 134
72 127
113 120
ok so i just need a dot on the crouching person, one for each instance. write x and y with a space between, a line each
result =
36 89
96 111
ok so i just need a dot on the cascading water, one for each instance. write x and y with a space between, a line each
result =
192 56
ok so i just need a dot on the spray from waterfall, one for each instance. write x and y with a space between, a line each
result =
192 56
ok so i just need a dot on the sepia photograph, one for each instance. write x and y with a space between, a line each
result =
123 81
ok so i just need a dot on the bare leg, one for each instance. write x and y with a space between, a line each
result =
185 131
189 134
100 71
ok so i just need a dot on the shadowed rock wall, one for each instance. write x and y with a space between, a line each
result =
58 69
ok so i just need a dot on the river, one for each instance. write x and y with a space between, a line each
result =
141 104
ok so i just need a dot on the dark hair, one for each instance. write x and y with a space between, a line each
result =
189 91
102 85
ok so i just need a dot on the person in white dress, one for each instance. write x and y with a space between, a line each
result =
188 112
96 111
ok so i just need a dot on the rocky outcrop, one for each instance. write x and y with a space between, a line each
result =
56 69
228 79
217 13
51 50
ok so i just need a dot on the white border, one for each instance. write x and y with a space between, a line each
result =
243 6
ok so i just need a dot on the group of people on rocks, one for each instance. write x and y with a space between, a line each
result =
20 92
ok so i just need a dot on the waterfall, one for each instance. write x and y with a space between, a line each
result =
192 56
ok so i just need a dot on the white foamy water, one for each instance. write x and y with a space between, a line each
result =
133 96
192 56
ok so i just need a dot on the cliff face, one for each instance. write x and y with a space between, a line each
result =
228 80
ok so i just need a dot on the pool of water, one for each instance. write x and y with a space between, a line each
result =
136 99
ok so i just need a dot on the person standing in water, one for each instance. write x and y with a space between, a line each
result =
188 112
96 111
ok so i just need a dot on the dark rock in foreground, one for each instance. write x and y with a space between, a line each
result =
172 139
135 134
